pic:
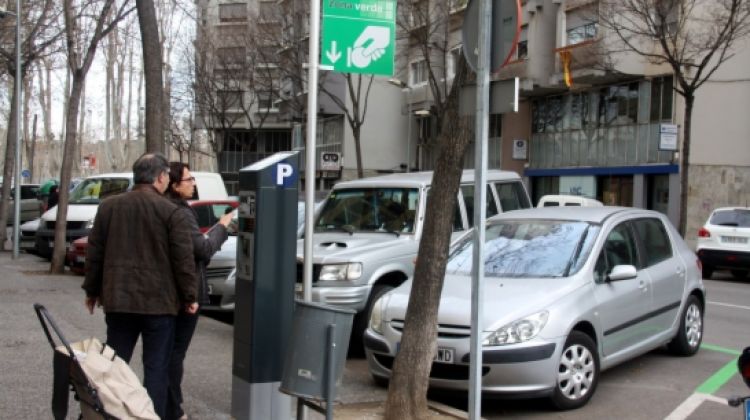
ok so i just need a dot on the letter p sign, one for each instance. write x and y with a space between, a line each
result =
284 174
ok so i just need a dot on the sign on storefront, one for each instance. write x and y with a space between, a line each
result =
668 137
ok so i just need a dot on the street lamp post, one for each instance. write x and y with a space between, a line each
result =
17 198
405 86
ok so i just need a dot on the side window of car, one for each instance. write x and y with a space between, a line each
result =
654 240
619 249
512 196
468 193
204 216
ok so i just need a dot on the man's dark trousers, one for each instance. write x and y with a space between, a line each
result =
157 331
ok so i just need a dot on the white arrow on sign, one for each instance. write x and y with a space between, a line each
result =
332 54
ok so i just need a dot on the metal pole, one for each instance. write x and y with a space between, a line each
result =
408 130
19 128
480 200
312 126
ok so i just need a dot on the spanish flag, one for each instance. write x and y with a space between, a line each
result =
565 59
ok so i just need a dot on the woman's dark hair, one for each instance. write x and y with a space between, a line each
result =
175 177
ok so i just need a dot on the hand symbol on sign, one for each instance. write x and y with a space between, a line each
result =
370 45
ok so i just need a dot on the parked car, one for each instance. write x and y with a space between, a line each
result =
28 235
568 292
554 200
367 234
30 208
85 198
724 242
208 211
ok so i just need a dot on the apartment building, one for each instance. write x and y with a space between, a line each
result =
593 122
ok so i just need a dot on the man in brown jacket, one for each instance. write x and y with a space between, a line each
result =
140 268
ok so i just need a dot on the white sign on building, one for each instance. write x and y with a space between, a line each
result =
520 149
668 137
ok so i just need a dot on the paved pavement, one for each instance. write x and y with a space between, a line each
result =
26 356
652 386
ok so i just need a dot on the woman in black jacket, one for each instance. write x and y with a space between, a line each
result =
181 188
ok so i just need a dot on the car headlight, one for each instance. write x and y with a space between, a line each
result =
376 316
340 272
518 331
89 224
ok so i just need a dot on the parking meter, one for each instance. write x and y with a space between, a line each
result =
264 289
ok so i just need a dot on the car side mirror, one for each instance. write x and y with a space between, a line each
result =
622 272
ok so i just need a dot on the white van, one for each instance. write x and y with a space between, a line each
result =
367 234
85 198
568 200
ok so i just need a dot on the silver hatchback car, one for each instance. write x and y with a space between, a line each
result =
569 292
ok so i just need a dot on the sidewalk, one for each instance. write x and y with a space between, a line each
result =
26 356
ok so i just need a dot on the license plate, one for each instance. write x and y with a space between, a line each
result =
52 244
734 239
81 259
443 355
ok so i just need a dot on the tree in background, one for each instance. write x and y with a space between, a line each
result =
40 33
86 24
694 38
153 67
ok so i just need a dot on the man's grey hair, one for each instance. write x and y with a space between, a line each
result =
148 167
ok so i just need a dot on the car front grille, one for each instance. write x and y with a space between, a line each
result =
444 330
451 372
214 272
301 272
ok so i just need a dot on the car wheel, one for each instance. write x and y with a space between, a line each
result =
739 274
689 336
362 319
577 372
380 381
707 271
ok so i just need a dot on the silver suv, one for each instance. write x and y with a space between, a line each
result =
367 234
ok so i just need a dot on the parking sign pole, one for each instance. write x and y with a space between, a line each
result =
480 214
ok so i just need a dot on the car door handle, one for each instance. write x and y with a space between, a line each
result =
642 285
680 271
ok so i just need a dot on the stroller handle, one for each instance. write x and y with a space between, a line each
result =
46 319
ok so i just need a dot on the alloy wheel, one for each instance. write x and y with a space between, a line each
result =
693 325
576 372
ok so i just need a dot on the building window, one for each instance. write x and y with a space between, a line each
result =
266 101
419 13
454 56
233 12
496 125
581 24
418 72
618 104
229 99
582 33
522 49
662 94
229 56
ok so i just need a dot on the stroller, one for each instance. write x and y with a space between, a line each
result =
104 384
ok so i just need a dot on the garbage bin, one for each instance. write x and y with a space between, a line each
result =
317 351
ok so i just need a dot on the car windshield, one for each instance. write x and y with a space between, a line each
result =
528 248
94 190
369 209
734 217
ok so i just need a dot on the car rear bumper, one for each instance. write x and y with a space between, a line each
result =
724 259
44 238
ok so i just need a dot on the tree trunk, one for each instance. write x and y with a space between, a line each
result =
31 149
407 393
152 69
685 163
8 168
357 134
69 151
130 93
